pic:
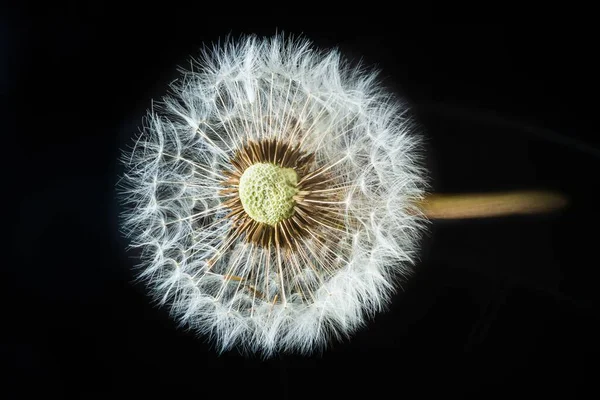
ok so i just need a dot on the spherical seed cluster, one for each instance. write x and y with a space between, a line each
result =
267 192
295 280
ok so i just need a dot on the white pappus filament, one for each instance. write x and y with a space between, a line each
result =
272 195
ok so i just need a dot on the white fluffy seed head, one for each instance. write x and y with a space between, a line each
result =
355 226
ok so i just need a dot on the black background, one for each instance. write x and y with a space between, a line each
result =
504 305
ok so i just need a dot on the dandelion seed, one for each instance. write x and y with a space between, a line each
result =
273 196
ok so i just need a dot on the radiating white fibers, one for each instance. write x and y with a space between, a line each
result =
307 283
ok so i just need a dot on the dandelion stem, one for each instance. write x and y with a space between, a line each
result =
484 205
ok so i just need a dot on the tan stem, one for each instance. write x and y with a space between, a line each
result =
483 205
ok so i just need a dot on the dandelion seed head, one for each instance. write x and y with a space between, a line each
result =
272 196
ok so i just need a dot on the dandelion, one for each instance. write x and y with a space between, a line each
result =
273 195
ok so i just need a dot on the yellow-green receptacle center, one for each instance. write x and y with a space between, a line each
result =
267 192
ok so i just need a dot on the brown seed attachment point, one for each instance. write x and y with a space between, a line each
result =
310 211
